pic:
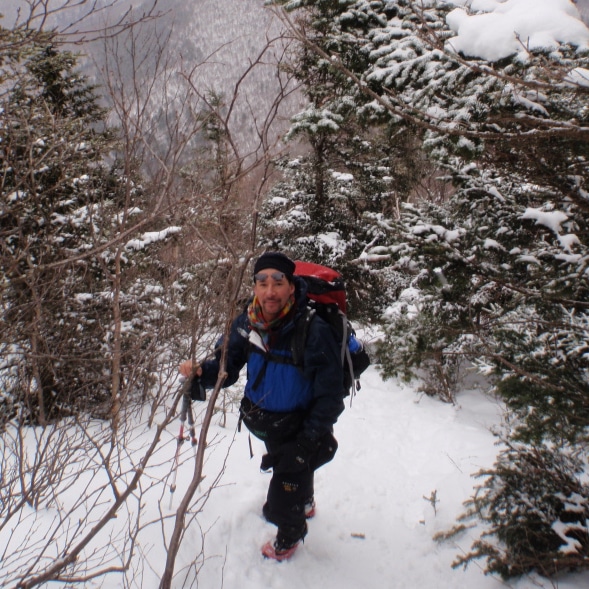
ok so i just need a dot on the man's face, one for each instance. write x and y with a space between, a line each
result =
273 290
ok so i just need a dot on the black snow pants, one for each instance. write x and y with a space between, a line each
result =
289 491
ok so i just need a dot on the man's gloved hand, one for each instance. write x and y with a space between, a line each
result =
294 456
267 462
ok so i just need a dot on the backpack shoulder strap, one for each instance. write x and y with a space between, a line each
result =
337 321
299 337
343 330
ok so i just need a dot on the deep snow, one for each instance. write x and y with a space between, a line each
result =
398 451
375 520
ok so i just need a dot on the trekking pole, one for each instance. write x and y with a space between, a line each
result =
191 430
186 414
186 408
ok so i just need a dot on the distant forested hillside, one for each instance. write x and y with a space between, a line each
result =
215 40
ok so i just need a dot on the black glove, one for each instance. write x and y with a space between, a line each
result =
197 391
267 462
295 456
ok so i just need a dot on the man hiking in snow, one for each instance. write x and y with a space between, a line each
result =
291 409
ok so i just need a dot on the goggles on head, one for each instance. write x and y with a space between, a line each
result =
262 276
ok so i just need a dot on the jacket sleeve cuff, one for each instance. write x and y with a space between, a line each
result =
197 390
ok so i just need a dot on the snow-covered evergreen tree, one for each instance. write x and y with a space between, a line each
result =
497 273
511 135
73 319
357 161
333 236
535 502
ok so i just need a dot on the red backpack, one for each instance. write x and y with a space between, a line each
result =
326 294
325 285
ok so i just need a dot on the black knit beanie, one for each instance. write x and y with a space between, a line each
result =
275 260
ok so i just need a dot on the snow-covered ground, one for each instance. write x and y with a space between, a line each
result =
398 451
374 522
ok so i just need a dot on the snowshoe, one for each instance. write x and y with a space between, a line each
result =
278 551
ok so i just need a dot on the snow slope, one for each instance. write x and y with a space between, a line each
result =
398 452
374 523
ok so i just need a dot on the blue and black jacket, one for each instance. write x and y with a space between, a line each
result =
274 383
